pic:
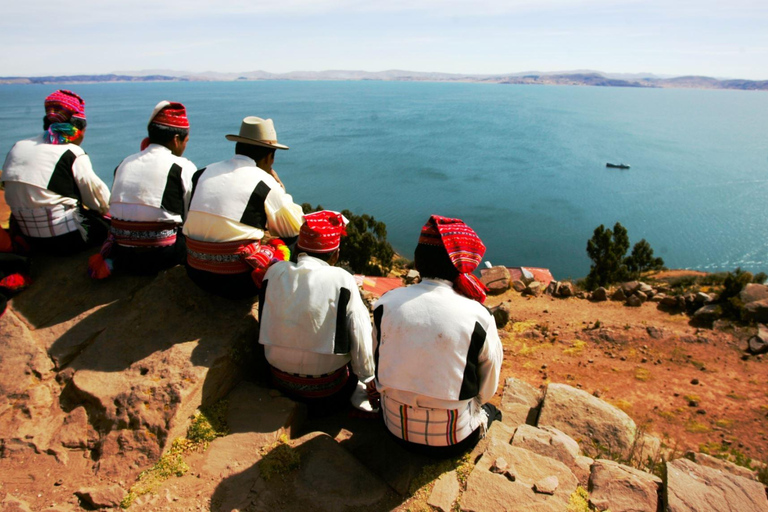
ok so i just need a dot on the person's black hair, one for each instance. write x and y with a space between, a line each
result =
432 261
159 134
77 122
253 151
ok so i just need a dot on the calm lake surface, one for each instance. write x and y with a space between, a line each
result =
523 165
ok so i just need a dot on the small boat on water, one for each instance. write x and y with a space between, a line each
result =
617 166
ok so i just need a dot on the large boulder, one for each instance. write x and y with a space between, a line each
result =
600 295
723 465
550 442
114 368
519 402
753 292
597 426
758 344
706 315
620 488
693 488
496 279
757 311
517 488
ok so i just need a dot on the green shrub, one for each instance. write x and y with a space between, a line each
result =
606 249
642 259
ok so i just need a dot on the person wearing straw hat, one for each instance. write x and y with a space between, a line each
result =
314 325
49 182
438 354
150 199
234 202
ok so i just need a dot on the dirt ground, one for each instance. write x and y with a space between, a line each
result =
692 387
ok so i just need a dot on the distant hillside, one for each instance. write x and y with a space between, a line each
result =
88 79
580 77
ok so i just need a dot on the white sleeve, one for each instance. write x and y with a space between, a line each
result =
359 329
284 217
94 192
491 357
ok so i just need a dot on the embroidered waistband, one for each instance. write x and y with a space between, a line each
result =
309 386
143 234
221 257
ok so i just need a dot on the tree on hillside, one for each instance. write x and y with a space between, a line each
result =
365 249
606 249
641 259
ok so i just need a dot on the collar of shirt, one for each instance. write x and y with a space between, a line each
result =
246 159
434 281
305 260
157 147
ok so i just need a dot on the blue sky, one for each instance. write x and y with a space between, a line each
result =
672 37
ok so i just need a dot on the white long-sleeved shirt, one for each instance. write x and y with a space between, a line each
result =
437 351
152 186
313 320
30 167
235 200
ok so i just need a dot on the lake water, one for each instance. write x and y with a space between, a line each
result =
523 165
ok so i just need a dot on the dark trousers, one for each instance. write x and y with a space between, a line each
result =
149 260
96 228
319 407
229 286
463 446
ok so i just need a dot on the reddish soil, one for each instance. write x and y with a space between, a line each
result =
689 386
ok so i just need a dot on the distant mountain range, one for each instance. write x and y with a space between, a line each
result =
579 77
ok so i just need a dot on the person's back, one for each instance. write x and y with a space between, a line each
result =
233 203
313 322
49 178
150 198
438 354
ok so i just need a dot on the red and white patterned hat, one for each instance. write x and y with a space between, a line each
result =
464 248
63 105
171 114
322 231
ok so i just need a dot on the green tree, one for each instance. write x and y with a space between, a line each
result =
606 249
641 259
365 249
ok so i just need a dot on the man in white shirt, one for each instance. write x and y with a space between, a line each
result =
438 354
49 180
233 203
150 199
313 322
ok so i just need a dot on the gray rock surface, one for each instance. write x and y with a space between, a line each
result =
519 402
496 279
600 294
445 492
692 487
723 465
102 497
589 420
753 292
757 311
491 491
553 443
758 344
620 488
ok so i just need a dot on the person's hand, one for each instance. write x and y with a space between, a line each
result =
374 397
272 172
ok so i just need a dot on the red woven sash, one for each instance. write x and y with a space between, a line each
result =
221 257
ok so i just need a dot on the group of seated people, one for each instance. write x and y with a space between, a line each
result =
429 359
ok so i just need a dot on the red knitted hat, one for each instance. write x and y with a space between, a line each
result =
322 231
170 114
63 105
465 249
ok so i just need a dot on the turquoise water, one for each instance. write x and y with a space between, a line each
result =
523 165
